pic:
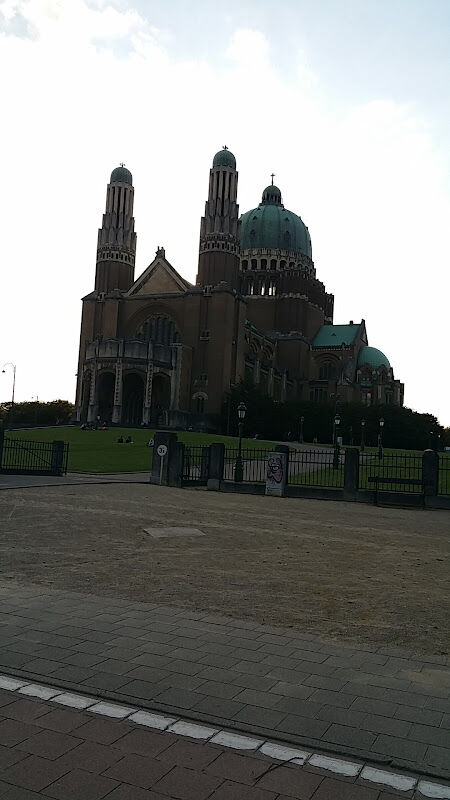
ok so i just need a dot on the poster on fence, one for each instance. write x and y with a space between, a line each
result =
276 474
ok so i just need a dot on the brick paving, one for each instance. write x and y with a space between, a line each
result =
68 754
376 703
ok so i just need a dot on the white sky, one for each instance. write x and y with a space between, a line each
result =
345 100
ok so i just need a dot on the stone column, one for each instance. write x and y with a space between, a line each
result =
270 380
257 372
284 387
148 394
118 387
92 409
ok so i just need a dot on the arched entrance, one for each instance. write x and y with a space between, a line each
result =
106 381
133 399
160 399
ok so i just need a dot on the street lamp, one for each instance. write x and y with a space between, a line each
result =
380 439
300 438
238 468
337 422
363 430
10 364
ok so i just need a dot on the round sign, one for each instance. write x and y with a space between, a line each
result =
161 450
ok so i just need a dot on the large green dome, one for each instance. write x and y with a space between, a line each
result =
373 358
121 175
272 227
224 158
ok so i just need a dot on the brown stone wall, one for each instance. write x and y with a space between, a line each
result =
215 266
113 275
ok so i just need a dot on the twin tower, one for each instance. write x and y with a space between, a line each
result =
219 242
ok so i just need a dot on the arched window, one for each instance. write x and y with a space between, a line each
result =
254 263
244 264
198 402
159 330
327 371
264 263
273 263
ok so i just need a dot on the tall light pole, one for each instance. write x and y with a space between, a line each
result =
238 467
363 430
380 439
10 364
300 438
337 422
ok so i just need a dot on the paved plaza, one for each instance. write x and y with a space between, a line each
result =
91 603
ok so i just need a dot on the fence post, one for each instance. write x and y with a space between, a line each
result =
277 471
351 473
57 457
165 443
175 465
2 438
430 473
216 460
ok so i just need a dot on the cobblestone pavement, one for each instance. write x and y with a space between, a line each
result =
48 750
368 702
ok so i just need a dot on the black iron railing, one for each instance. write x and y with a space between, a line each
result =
29 457
393 472
444 475
195 465
254 464
317 467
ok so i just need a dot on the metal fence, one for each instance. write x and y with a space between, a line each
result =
254 464
393 472
444 475
317 467
195 465
29 457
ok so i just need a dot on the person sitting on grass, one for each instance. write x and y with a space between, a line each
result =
120 439
128 440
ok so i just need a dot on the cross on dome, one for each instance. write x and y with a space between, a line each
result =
272 175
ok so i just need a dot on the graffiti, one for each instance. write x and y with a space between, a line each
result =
275 469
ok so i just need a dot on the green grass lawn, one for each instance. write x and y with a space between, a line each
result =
99 452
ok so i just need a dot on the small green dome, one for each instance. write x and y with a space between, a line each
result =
272 195
271 226
121 175
373 358
224 158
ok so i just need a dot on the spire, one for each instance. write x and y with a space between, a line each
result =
116 246
219 246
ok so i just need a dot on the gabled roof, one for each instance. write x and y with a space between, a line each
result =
159 278
335 335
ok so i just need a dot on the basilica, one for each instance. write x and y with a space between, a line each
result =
160 350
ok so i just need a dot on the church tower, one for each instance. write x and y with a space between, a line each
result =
116 246
219 244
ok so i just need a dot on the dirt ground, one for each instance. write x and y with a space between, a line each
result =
341 570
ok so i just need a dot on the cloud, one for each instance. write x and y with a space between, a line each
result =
92 84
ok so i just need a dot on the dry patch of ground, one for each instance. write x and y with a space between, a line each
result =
336 569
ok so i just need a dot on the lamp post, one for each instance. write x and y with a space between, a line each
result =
337 422
300 438
363 431
238 468
10 364
380 439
